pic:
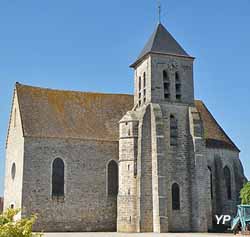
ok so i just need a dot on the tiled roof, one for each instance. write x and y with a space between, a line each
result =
81 115
214 134
161 41
70 114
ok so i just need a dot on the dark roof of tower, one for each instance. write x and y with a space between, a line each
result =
161 42
48 113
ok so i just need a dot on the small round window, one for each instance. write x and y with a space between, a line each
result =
13 171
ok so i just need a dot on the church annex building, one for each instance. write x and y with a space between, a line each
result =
155 161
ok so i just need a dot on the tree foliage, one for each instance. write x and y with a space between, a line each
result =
19 228
245 194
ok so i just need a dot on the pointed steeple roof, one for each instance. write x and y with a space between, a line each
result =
161 42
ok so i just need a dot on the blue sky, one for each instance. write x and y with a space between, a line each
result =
88 45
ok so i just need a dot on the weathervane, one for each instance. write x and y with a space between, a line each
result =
159 11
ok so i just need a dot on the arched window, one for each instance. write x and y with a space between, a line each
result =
139 83
211 182
177 77
166 85
177 86
58 178
144 79
144 86
227 177
175 197
173 131
139 92
112 178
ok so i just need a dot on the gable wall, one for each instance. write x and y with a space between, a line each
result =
14 154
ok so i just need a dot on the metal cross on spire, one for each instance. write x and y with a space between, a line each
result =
159 11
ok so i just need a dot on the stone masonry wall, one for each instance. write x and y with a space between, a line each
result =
172 64
86 206
144 67
128 220
145 172
14 155
160 165
159 172
201 204
177 167
217 160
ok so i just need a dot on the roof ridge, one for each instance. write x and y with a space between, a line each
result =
69 91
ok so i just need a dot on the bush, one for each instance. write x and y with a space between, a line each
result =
20 228
245 194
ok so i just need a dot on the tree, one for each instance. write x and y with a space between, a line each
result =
245 194
20 228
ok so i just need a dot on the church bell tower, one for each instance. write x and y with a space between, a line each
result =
161 176
163 71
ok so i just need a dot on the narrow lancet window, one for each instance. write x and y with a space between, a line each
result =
227 177
144 87
58 178
166 85
177 86
173 131
112 178
175 197
139 92
211 182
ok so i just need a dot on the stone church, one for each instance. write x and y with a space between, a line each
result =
155 161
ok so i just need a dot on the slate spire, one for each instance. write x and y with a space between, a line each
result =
161 42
